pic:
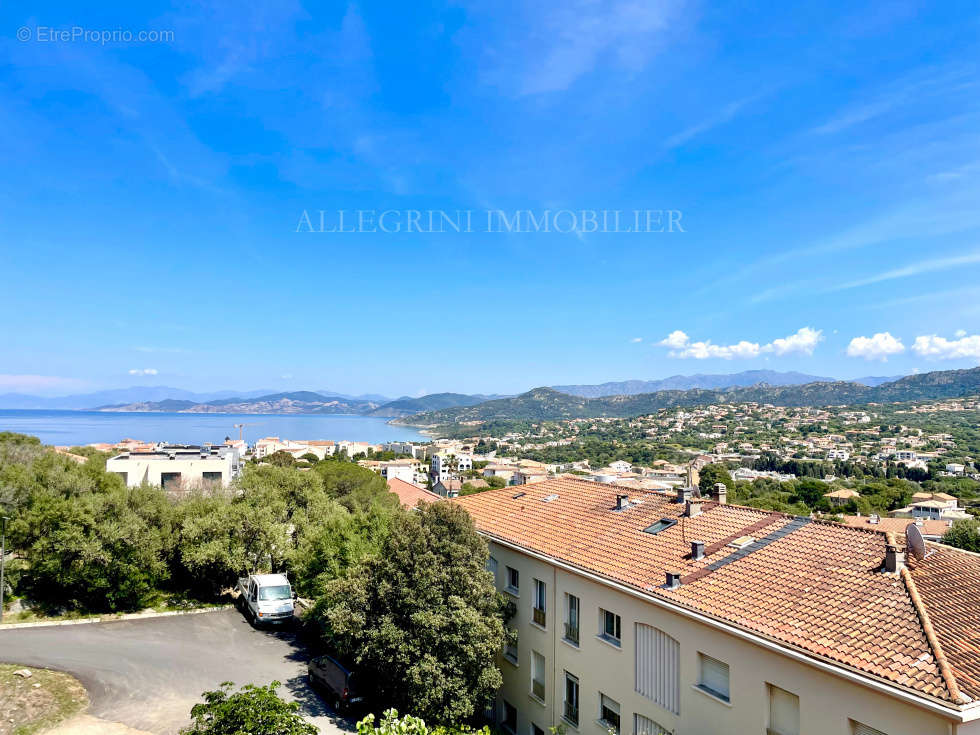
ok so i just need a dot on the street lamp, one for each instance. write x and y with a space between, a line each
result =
3 557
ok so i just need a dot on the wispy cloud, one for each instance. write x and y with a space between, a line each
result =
636 340
727 113
548 47
37 382
143 371
148 349
915 269
909 90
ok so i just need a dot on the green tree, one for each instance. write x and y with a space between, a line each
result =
964 534
714 473
253 710
392 724
421 620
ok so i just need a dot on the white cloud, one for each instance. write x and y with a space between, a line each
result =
143 371
959 333
636 340
804 341
286 376
940 348
878 347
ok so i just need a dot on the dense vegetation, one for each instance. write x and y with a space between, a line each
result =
403 595
87 542
545 404
424 610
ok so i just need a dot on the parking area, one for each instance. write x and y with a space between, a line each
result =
147 674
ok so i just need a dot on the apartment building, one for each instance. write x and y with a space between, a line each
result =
447 466
645 615
177 467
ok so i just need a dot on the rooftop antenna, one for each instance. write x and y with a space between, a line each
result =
915 543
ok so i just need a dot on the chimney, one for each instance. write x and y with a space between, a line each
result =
683 494
622 502
721 493
894 558
693 507
673 580
697 550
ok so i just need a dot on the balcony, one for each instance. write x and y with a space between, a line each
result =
571 633
538 616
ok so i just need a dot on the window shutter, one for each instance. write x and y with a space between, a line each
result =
645 726
784 712
714 675
859 729
658 667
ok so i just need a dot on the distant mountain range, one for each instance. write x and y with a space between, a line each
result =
305 402
542 404
168 399
708 382
150 394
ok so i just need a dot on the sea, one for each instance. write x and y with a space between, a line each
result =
77 428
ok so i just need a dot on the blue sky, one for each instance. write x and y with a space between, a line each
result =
826 163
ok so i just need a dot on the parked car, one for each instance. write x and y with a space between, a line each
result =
266 598
338 682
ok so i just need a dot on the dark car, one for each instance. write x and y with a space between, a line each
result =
338 682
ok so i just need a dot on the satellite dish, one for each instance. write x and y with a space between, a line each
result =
915 543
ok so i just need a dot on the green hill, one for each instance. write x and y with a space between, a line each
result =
545 404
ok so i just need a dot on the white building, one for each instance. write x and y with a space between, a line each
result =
447 466
842 454
177 467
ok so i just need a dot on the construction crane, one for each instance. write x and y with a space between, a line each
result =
241 428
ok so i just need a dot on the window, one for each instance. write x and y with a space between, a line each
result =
535 730
510 652
662 525
859 729
211 476
713 676
509 720
610 627
537 675
658 669
645 726
513 580
492 567
538 614
608 712
572 606
571 699
784 712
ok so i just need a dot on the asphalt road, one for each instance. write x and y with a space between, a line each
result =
149 673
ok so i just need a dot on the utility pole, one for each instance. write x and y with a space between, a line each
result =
3 557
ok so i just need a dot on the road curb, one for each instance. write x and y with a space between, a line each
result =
114 618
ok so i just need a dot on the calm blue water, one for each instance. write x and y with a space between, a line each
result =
73 428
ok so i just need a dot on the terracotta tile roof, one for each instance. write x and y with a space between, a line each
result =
896 525
411 495
811 585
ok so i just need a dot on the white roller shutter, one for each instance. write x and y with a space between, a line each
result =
658 667
859 729
714 676
645 726
784 712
